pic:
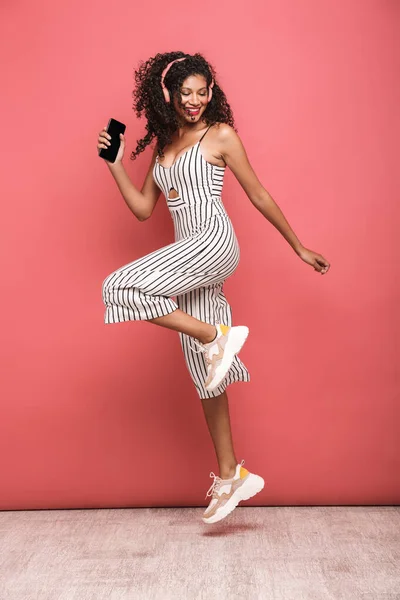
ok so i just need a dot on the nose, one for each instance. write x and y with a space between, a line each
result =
193 101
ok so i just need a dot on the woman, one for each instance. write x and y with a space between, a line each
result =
185 106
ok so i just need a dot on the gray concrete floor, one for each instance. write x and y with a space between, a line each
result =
257 553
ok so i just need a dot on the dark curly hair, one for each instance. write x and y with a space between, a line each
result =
161 116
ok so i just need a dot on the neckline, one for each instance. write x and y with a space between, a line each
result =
186 151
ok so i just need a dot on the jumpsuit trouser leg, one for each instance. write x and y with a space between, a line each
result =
193 270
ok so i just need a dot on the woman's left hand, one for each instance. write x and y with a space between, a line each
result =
315 260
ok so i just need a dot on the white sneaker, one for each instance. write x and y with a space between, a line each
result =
219 353
227 493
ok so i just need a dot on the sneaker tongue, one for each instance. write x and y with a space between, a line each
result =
217 485
237 472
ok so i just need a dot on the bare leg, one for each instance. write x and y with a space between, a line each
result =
216 411
181 321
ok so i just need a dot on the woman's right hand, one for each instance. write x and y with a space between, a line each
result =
103 142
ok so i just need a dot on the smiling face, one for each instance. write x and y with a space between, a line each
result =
191 102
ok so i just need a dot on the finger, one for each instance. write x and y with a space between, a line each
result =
317 266
104 140
104 133
323 261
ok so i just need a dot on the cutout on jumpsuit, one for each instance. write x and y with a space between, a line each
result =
175 201
175 192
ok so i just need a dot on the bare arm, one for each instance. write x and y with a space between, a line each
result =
234 155
142 202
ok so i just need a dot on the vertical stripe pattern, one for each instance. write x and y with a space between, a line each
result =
192 269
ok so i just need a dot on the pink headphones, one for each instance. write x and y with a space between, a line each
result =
165 90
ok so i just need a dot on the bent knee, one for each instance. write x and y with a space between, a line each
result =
145 281
110 283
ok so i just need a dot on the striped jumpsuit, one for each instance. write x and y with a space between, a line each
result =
192 269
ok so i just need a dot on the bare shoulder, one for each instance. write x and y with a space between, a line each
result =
230 146
154 153
233 153
155 149
221 137
224 132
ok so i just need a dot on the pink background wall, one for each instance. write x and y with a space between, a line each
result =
87 419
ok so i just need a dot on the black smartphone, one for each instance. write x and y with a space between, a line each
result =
114 128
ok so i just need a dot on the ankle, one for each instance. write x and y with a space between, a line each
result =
211 336
227 471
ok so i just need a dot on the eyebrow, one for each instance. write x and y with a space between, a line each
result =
185 87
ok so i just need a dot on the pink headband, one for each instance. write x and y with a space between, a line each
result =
165 71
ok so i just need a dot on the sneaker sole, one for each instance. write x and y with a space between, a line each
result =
254 484
236 339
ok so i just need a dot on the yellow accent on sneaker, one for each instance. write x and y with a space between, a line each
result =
224 329
243 472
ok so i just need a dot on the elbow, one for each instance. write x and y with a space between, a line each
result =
142 217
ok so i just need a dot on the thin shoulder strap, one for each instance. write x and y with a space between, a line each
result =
206 131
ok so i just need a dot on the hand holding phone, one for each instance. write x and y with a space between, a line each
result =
111 141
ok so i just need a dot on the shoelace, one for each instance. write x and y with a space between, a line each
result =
216 484
213 490
200 345
202 349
